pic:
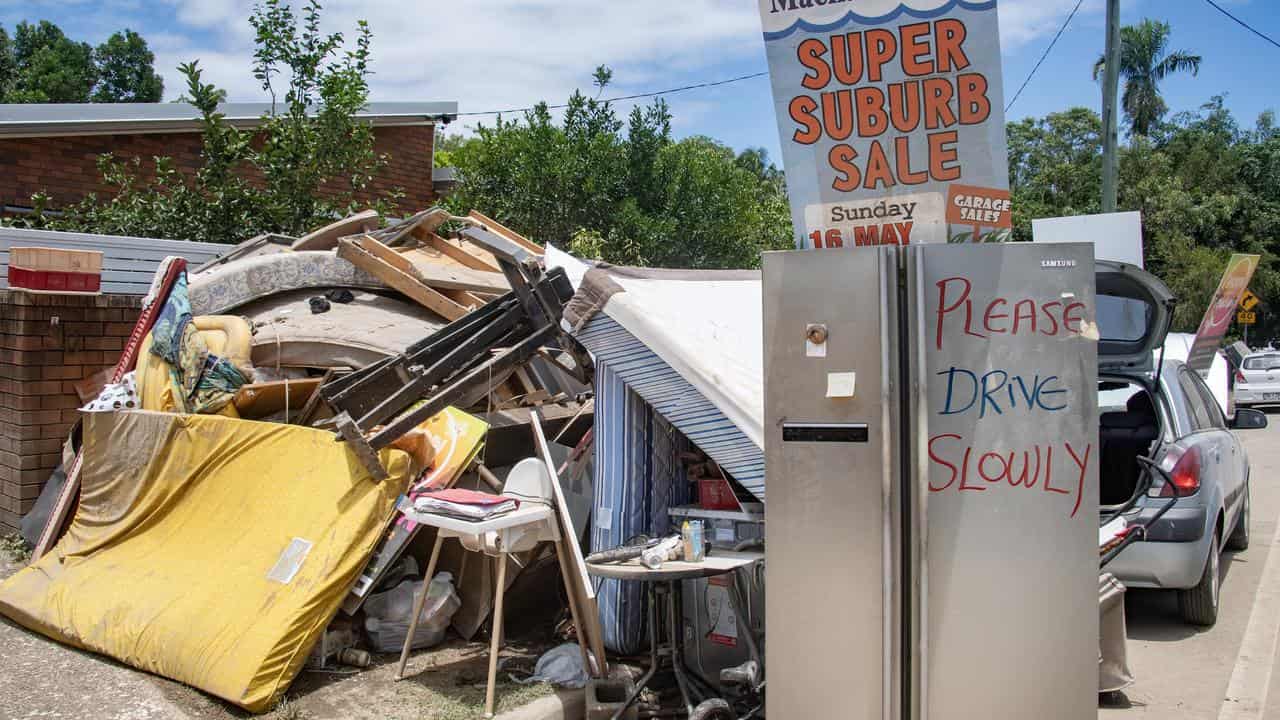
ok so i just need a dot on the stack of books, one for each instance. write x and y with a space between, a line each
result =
465 504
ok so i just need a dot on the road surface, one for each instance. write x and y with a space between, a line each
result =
1224 672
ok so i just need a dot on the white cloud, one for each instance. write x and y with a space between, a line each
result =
1022 21
490 54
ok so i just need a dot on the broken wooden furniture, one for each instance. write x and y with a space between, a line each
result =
520 530
400 273
460 364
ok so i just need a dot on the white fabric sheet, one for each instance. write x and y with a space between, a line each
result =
708 331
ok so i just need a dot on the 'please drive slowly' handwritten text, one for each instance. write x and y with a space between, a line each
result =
1056 468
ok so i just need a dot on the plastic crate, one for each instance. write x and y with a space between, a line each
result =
717 494
55 260
51 281
51 270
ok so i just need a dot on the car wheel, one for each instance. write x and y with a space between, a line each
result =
1199 605
1239 539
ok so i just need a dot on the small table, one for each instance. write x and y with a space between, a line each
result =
663 582
519 530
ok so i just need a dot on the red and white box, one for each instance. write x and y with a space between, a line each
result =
50 270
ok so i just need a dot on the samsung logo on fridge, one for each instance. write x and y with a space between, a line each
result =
1057 263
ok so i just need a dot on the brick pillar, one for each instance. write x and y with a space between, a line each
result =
48 343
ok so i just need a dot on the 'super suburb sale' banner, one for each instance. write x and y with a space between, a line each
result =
882 105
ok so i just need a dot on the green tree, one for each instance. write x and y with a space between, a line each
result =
705 210
1144 63
8 66
1055 167
40 64
49 67
627 194
1205 188
126 70
312 152
444 148
313 141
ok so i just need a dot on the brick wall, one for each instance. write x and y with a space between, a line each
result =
40 362
66 167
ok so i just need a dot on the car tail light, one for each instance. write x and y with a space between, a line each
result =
1240 376
1185 474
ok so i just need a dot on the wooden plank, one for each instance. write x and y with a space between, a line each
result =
432 274
326 238
313 403
480 260
258 400
385 254
464 298
469 248
578 579
400 280
427 220
498 229
421 252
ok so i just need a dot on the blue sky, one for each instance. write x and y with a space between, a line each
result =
489 54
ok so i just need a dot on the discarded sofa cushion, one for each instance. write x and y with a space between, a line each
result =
206 549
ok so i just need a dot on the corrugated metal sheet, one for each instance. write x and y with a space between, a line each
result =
646 413
638 476
675 399
128 263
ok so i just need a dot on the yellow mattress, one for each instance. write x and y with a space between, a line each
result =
210 550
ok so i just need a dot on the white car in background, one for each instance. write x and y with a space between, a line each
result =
1258 380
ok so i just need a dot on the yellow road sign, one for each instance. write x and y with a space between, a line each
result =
1248 301
1246 317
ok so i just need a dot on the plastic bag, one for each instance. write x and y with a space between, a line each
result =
561 666
387 614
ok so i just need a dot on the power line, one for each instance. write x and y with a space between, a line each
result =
637 96
1243 24
1045 55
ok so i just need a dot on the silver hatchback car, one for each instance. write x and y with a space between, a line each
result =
1258 380
1162 410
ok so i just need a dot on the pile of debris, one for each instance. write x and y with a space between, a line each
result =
236 504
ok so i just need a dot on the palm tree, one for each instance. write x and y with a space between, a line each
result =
1144 63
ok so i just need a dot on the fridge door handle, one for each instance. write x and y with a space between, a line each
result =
889 572
918 485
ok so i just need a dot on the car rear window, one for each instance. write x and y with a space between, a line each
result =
1122 319
1262 362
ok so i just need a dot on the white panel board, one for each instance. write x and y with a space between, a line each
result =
1116 236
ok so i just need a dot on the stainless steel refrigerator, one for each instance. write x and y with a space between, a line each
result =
931 449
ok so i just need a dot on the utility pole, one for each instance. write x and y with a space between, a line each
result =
1110 122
